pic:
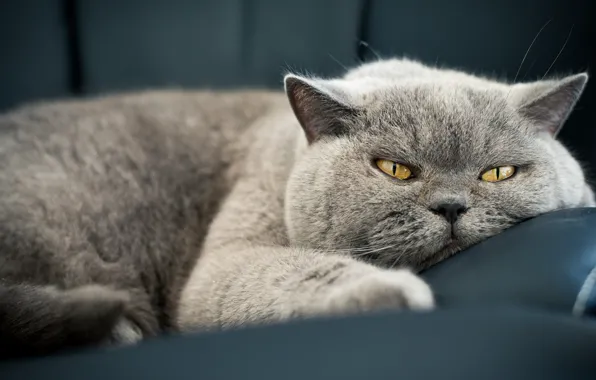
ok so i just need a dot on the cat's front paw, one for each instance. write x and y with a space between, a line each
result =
379 290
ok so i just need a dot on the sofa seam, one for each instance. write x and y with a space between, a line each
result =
581 301
363 29
73 44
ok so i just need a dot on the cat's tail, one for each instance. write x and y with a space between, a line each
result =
37 320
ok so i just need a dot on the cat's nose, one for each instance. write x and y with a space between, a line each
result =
450 210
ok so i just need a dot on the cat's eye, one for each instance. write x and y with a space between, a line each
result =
394 169
498 174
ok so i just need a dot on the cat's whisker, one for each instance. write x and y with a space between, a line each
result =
528 70
370 251
338 62
366 45
357 238
560 51
528 50
350 250
383 248
359 252
524 59
396 261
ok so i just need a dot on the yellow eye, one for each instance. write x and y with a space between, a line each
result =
498 174
394 169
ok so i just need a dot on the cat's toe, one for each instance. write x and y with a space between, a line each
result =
125 333
383 289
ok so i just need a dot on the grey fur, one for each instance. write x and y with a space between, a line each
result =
213 210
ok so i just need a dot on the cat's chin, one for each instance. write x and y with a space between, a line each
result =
450 248
447 242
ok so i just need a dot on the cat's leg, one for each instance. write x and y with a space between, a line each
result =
60 298
133 321
248 273
245 285
37 319
90 301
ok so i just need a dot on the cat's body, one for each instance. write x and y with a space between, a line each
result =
118 192
182 210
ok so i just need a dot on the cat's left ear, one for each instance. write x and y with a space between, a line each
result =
548 103
321 107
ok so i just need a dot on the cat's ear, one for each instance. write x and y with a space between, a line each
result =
548 103
322 109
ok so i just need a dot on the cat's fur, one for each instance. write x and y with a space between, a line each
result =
125 216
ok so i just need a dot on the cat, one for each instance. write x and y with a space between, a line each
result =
126 216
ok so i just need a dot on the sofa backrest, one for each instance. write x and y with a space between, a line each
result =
64 48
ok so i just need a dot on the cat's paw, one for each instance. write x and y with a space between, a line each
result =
379 290
125 333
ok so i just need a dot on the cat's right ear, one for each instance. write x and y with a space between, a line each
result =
548 103
321 108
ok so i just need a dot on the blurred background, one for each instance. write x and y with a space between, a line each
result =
64 48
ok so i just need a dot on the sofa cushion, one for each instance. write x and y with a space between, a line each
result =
548 263
450 344
224 43
34 61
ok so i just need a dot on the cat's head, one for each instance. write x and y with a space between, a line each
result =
408 169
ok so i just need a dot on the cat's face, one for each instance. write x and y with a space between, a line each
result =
443 138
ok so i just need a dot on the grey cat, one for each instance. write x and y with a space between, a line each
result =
126 216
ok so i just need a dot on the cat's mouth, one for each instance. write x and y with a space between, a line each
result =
449 248
451 245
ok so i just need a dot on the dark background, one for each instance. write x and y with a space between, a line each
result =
64 48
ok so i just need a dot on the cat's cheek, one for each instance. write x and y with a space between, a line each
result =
478 225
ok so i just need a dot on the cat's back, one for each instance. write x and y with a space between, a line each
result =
148 117
157 130
115 170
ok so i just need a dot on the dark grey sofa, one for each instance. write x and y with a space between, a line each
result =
518 306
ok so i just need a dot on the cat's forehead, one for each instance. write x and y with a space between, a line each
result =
444 122
436 100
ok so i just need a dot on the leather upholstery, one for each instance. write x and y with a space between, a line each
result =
60 48
217 44
548 263
487 344
33 51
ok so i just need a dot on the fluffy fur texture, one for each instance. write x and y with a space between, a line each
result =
130 215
